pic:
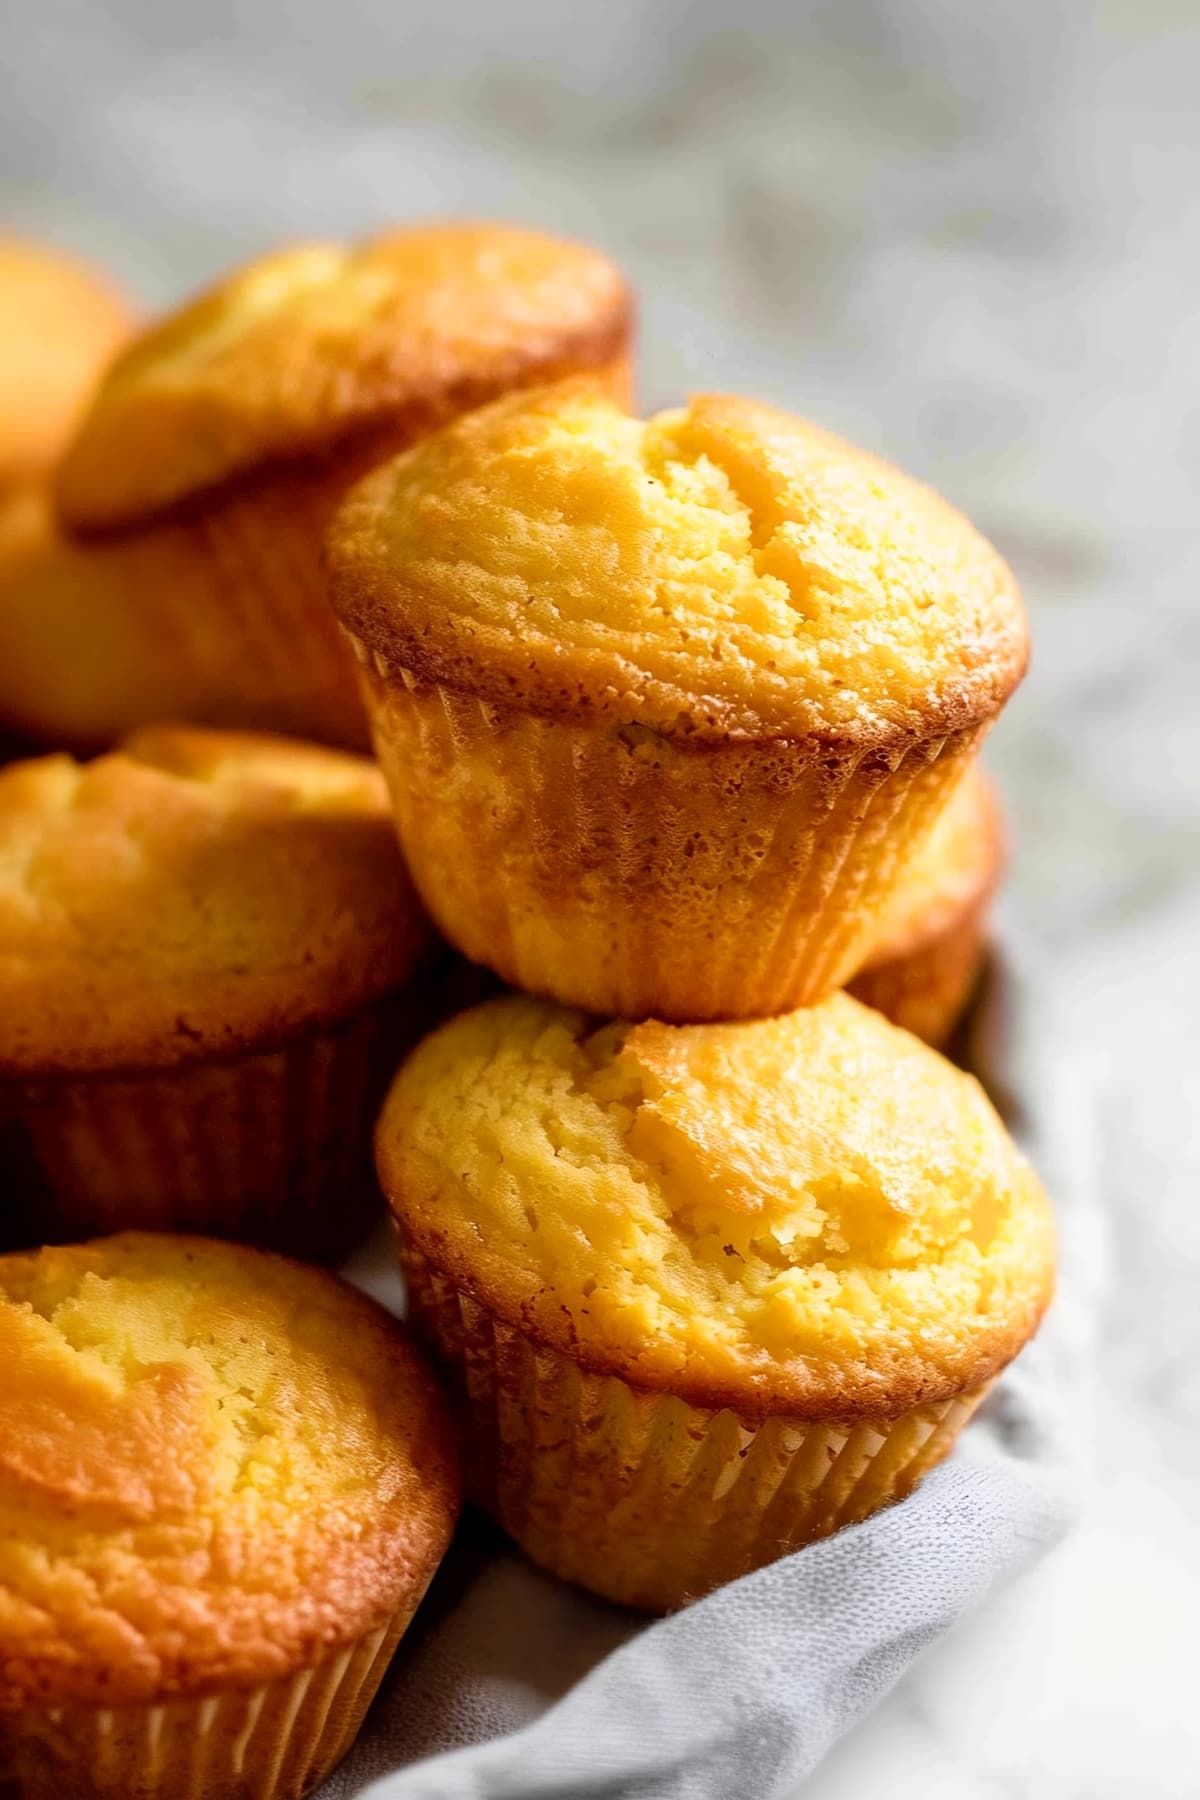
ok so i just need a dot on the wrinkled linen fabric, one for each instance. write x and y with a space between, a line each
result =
512 1686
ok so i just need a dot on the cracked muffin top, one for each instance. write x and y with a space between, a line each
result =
216 1466
812 1214
194 893
60 322
955 871
723 570
318 343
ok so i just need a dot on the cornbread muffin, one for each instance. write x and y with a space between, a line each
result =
204 946
931 943
86 653
60 322
665 708
217 446
709 1291
225 1482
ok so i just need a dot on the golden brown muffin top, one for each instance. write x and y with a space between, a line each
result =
317 343
60 321
955 870
724 570
216 1467
813 1214
193 894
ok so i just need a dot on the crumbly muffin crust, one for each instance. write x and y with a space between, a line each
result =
317 344
721 571
812 1214
216 1466
194 894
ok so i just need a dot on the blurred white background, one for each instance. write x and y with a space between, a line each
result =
965 234
968 235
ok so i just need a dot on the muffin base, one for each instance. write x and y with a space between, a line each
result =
272 1148
621 871
639 1496
221 605
274 1742
227 600
927 990
276 644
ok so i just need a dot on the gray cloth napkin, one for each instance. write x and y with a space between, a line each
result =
512 1685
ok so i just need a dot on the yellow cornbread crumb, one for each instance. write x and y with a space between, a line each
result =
213 1465
815 1207
315 342
193 890
725 564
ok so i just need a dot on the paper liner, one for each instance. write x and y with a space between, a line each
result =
262 545
271 1148
227 604
613 869
218 615
639 1496
927 990
275 1742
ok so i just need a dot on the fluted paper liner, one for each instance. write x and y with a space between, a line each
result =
273 1742
640 1496
229 602
612 868
262 547
271 1148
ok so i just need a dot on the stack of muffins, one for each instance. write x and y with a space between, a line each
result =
676 727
